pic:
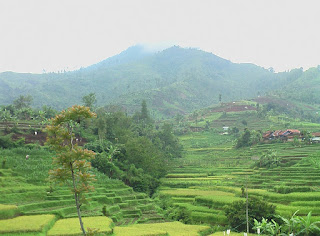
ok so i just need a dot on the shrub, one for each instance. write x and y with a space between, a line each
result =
236 212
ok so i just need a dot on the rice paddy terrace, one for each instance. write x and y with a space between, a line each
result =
212 172
28 205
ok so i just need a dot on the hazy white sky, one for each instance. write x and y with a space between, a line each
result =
60 34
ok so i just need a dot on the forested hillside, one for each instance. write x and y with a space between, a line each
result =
176 80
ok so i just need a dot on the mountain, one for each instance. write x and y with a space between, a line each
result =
175 80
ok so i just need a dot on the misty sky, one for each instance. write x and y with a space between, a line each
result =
56 35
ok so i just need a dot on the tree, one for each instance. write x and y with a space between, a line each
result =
144 115
142 153
269 159
169 143
71 164
143 119
244 122
5 116
89 100
257 209
244 139
23 102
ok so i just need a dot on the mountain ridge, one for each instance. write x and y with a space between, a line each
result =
174 80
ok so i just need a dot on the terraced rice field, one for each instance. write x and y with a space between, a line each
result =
101 225
212 172
29 194
27 224
168 228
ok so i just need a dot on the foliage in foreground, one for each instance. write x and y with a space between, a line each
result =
296 225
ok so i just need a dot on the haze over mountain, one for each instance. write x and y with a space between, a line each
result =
175 80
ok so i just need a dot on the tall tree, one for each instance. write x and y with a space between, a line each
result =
71 164
23 102
89 100
144 115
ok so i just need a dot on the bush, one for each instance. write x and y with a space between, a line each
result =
236 212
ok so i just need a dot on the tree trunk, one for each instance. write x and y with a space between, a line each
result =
77 201
247 210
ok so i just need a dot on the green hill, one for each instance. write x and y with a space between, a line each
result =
176 80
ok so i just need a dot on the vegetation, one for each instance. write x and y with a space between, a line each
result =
133 149
296 225
101 225
258 209
26 224
171 228
194 167
174 81
71 161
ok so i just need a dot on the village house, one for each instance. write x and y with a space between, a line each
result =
316 137
286 135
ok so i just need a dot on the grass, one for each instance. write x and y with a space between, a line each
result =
71 226
26 224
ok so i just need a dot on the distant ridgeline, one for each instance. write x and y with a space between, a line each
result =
175 80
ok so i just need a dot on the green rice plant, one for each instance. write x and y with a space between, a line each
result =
216 201
306 203
209 218
171 228
182 199
19 198
191 175
8 211
71 226
186 183
46 204
194 193
112 209
302 210
195 208
26 224
132 231
21 189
